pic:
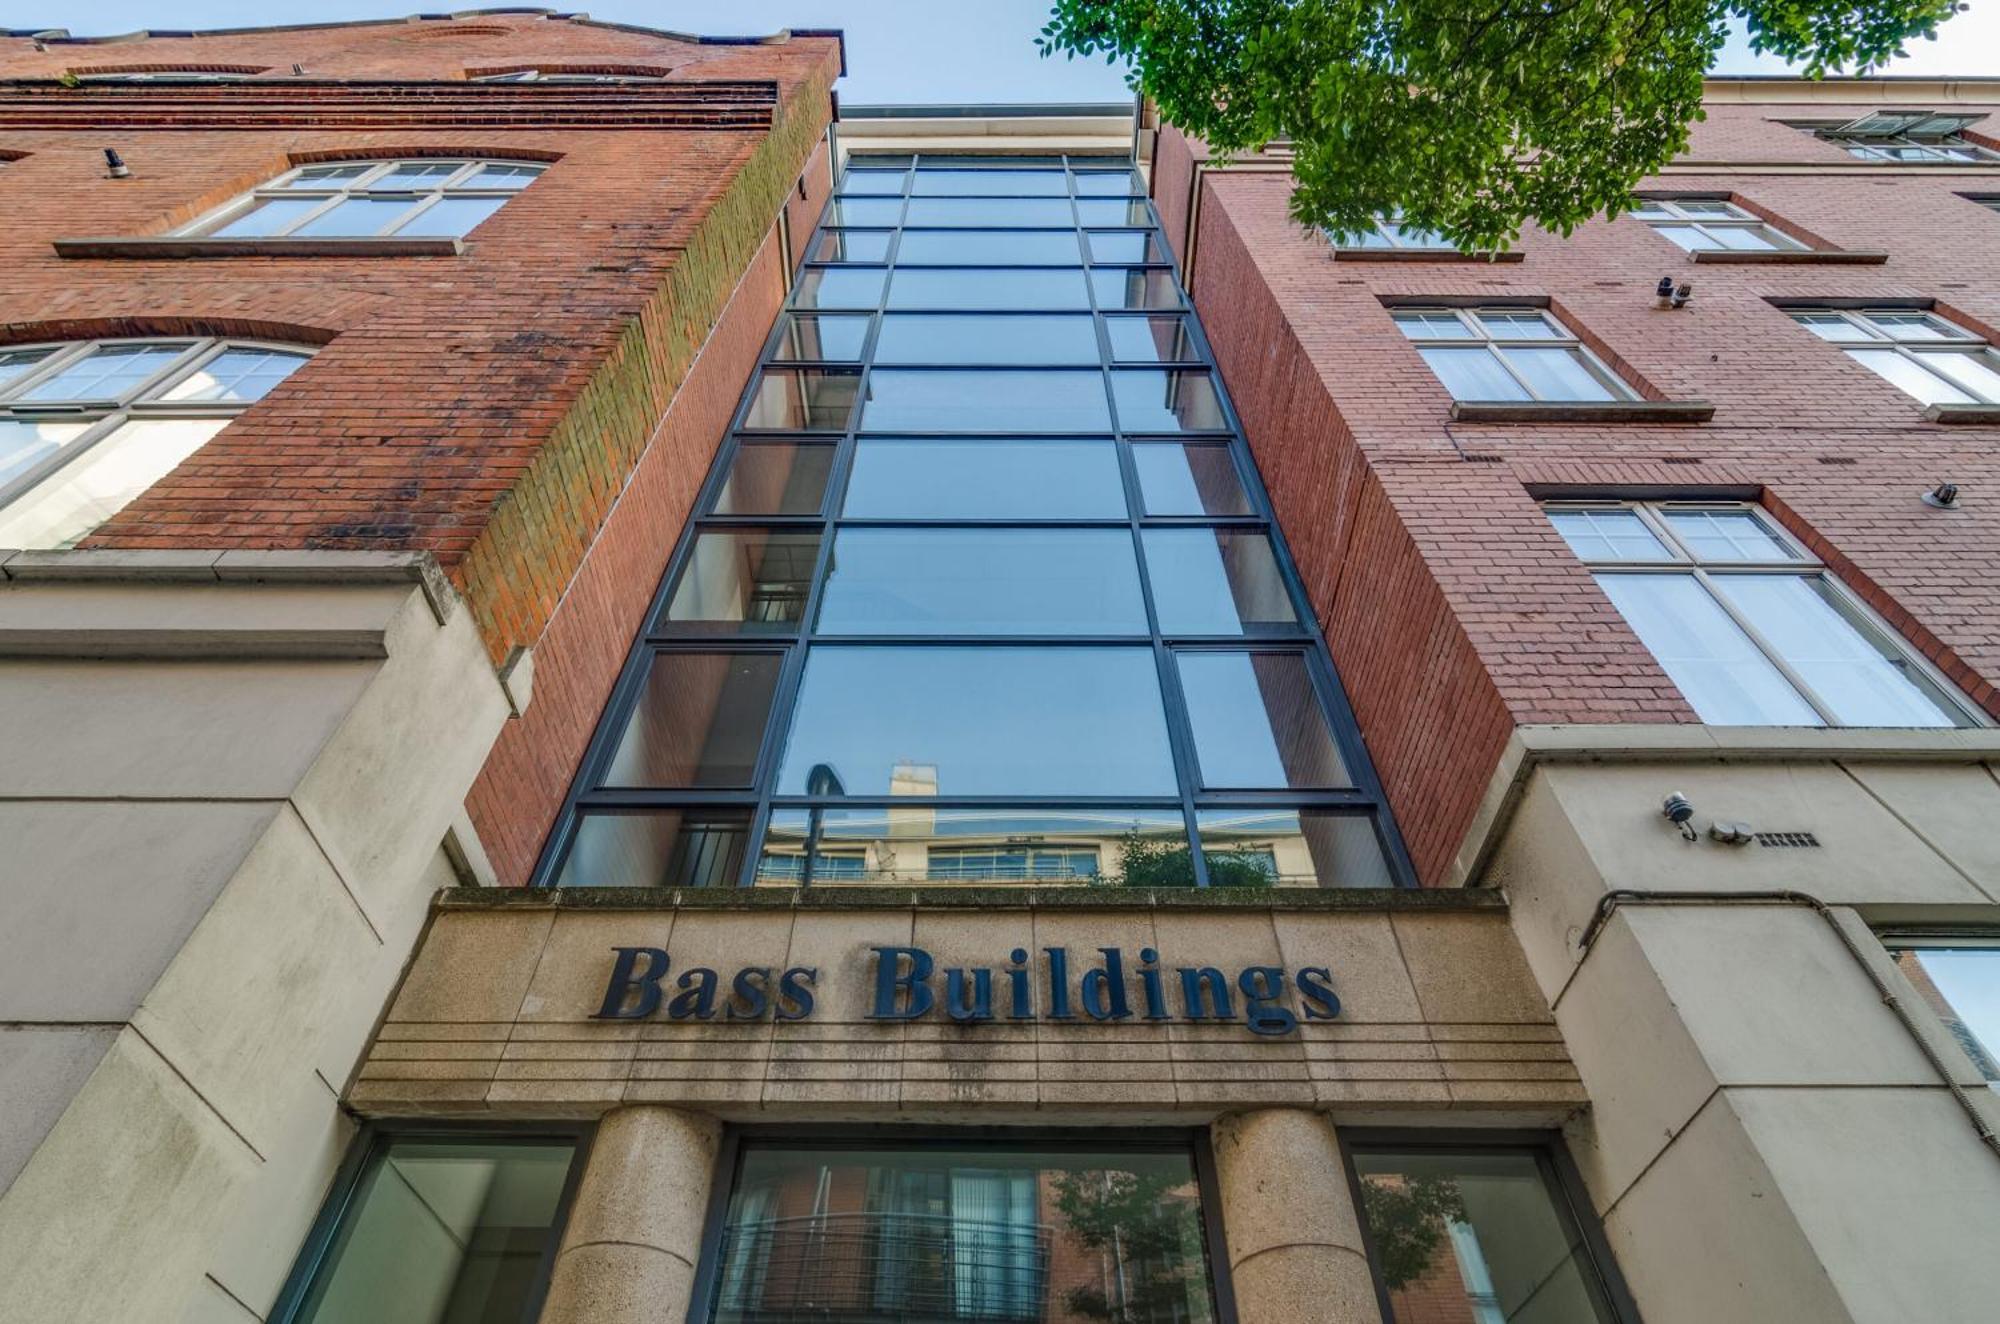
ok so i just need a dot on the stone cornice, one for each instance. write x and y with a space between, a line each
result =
351 103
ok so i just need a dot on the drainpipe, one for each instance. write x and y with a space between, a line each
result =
1612 901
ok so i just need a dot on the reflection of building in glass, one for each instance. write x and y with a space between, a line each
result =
938 1238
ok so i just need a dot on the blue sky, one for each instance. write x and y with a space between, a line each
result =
897 50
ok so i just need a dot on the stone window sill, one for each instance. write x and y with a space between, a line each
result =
1965 413
1422 255
198 246
1592 411
1789 257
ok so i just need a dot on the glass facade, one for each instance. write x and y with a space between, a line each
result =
983 587
1477 1233
957 1231
436 1229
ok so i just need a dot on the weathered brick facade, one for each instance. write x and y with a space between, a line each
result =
1453 609
536 411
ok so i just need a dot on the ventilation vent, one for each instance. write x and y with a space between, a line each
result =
1480 459
1787 840
1680 459
1837 459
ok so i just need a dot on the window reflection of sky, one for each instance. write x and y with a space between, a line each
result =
990 721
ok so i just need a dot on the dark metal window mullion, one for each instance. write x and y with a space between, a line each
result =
1180 735
791 678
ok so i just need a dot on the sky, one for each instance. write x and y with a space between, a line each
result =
897 50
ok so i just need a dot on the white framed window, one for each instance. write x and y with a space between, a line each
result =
208 74
565 76
1508 354
1390 232
1958 976
86 426
1936 361
1908 137
420 197
1746 622
1713 225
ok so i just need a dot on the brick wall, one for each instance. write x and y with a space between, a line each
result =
1453 609
538 411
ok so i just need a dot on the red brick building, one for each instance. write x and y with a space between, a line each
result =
1451 604
631 700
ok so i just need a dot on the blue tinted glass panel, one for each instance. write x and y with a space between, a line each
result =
982 581
991 183
865 211
942 288
1020 720
1032 248
832 337
1113 211
1001 338
915 400
850 246
1179 400
1217 581
1190 479
1124 287
977 213
941 479
839 287
1257 722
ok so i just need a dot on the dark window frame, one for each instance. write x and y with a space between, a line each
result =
1193 1141
1365 795
376 1136
1552 1158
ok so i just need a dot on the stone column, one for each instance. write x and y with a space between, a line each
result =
629 1249
1288 1215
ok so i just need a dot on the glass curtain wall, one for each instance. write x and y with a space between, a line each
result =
983 587
947 1232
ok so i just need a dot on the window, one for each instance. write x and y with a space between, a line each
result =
1390 232
86 426
566 76
1927 357
1507 353
191 75
433 1228
1908 137
372 200
982 588
1959 977
1480 1232
1713 225
958 1230
1748 625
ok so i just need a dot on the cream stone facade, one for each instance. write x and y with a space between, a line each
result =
233 780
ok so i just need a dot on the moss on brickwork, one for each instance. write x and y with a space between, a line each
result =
514 574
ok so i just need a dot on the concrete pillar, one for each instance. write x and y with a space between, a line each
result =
629 1249
1288 1215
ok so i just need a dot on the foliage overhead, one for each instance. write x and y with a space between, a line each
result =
1469 117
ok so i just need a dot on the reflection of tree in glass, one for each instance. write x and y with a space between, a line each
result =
1408 1218
1144 1224
1157 862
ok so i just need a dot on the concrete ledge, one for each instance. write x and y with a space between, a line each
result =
1967 413
1424 255
1785 257
1691 742
196 566
1595 411
966 898
1642 742
208 604
199 246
